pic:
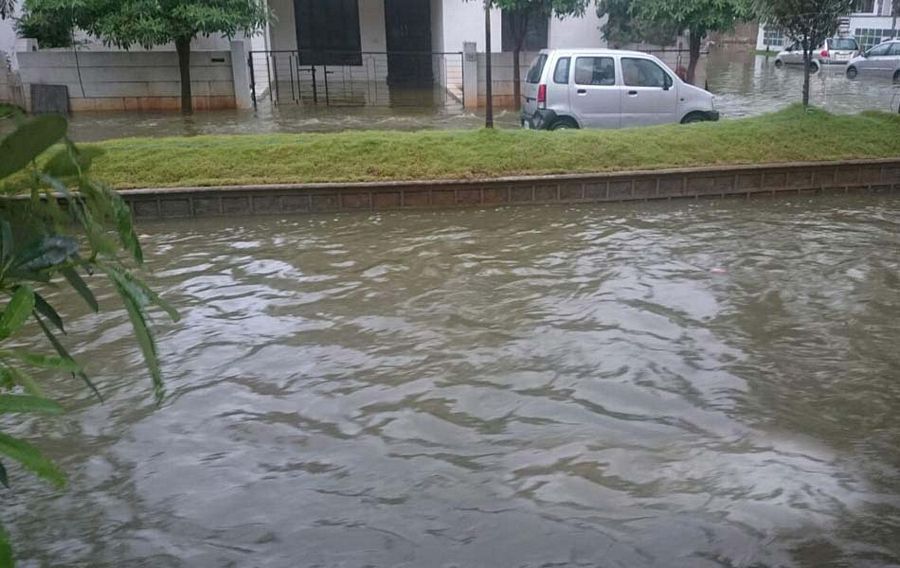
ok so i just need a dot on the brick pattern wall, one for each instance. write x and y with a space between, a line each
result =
880 176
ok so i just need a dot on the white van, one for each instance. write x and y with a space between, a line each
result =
607 88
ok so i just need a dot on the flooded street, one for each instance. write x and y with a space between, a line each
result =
745 84
681 384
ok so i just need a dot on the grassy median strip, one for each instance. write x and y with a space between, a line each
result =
789 135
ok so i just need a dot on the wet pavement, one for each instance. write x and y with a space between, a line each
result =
746 85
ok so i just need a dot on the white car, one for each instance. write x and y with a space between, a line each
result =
606 88
835 51
883 59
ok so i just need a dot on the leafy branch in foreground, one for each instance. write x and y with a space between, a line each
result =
51 236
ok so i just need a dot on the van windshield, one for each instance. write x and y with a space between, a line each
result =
843 44
537 69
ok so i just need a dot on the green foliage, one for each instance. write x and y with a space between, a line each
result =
51 29
46 243
147 23
624 26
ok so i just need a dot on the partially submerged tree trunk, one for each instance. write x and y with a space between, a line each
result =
488 75
183 47
696 39
807 68
520 30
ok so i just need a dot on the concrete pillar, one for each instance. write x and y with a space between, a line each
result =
240 74
470 75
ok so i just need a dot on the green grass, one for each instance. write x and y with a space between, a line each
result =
772 53
789 135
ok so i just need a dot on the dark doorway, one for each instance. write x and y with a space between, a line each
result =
408 29
328 32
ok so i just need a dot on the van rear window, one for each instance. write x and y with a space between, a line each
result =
537 69
844 44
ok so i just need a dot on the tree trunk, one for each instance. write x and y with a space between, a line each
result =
183 47
807 61
521 30
895 8
694 50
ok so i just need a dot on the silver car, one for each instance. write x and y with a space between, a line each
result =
607 88
834 51
883 60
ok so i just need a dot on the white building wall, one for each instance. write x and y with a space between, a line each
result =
577 32
8 39
464 22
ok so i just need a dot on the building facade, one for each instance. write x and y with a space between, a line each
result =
870 23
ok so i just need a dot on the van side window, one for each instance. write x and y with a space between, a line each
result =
536 70
595 71
561 73
642 73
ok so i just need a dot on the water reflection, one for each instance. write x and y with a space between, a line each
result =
690 384
746 85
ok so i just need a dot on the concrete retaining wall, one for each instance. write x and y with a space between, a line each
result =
135 80
739 181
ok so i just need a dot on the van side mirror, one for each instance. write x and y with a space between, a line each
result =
667 82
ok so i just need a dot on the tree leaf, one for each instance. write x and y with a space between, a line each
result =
47 252
45 309
23 379
6 555
29 141
17 311
81 287
6 242
42 361
61 350
23 403
145 338
140 291
4 480
31 459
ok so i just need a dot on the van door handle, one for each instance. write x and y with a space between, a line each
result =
632 93
581 91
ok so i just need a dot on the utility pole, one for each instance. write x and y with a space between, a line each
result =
489 87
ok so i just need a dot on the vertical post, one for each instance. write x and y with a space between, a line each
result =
488 77
243 85
470 75
252 79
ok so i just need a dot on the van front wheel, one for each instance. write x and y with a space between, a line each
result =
694 117
564 123
852 72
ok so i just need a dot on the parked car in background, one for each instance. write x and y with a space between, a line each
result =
883 60
606 88
834 51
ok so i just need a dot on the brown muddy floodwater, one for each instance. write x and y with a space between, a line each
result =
685 384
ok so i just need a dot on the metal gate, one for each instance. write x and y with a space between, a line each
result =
408 78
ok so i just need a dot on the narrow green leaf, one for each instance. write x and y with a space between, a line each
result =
22 403
45 309
4 480
6 242
6 555
81 287
142 293
61 350
31 459
17 311
144 337
29 141
42 361
23 379
47 252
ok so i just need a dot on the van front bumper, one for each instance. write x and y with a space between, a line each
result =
540 120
